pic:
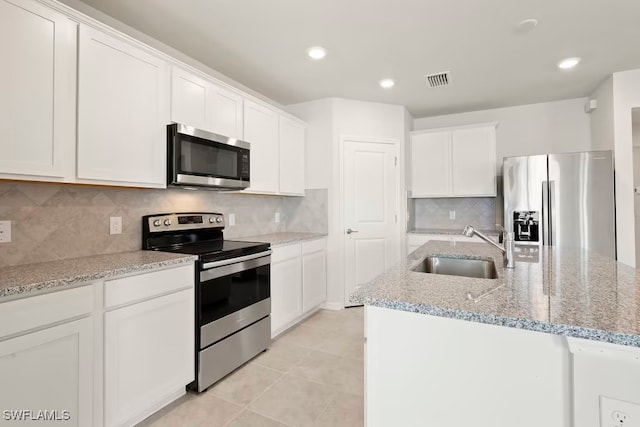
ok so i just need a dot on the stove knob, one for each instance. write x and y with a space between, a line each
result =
167 222
218 219
212 220
156 223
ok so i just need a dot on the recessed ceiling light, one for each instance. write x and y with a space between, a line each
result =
316 52
386 83
568 63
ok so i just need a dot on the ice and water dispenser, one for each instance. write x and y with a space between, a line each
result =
526 226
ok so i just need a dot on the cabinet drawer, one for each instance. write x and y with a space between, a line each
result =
313 246
147 285
37 311
282 253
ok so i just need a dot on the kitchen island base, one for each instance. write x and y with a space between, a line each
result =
427 370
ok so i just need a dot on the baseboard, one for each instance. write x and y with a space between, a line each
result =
332 306
165 401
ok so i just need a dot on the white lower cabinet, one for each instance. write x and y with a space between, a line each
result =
82 359
148 356
148 344
46 359
314 274
298 282
286 286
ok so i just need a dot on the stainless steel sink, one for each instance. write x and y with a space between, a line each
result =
479 268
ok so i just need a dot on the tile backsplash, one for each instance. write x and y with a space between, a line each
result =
51 221
434 213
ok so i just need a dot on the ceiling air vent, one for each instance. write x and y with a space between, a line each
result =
439 79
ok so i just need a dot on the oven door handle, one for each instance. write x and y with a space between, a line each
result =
236 267
234 260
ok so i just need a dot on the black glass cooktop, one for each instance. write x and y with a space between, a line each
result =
217 250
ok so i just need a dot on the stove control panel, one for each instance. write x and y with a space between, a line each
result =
184 221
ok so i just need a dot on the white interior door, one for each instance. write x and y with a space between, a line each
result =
370 211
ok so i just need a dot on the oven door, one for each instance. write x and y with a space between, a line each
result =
232 295
200 158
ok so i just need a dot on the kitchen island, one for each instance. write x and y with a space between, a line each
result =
553 342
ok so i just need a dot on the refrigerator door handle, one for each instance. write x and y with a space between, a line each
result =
552 210
545 212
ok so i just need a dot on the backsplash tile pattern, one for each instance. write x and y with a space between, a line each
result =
308 214
434 213
51 221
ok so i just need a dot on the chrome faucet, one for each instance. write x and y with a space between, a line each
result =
508 248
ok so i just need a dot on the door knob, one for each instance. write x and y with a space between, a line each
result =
349 231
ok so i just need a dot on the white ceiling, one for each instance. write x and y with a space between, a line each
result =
262 45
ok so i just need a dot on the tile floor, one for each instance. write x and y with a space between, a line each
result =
313 375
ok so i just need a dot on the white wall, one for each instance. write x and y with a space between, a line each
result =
602 117
550 127
626 96
345 118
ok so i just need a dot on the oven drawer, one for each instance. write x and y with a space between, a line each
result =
147 285
218 329
220 359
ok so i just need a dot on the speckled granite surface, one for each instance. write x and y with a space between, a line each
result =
561 291
449 231
17 281
282 238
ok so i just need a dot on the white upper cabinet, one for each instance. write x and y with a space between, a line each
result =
227 112
454 162
123 94
37 87
202 104
430 160
473 155
82 103
292 138
261 131
189 99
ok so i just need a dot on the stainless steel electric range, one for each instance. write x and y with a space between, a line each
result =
233 304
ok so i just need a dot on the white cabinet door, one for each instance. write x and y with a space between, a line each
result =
149 354
123 111
473 154
286 287
189 99
314 274
51 370
261 131
226 112
198 102
430 164
37 87
292 138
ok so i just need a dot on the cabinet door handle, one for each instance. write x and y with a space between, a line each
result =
349 231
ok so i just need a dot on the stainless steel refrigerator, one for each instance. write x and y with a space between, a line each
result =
561 200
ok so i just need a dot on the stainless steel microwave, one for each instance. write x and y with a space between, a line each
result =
197 158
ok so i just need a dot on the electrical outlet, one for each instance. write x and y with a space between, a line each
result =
5 231
232 220
618 413
452 214
277 217
115 225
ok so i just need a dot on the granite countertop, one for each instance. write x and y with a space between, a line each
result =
19 280
562 291
449 231
281 238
